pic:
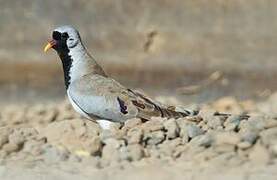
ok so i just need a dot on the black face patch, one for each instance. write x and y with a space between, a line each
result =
123 107
65 35
56 35
63 52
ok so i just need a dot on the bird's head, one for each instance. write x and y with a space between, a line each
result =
64 38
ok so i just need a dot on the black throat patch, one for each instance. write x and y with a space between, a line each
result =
67 63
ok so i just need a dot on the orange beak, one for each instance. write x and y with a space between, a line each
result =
49 45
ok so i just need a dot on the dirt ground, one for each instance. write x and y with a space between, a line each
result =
50 141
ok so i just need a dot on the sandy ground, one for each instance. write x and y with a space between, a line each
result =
50 141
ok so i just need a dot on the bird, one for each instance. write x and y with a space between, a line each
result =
94 94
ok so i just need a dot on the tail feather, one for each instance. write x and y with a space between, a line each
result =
172 112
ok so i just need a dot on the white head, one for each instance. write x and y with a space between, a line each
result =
67 42
75 59
64 38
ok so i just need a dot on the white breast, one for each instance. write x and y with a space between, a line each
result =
77 108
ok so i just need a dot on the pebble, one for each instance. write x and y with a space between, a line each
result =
132 152
232 123
194 131
249 136
4 135
205 140
155 124
10 147
154 138
259 154
56 154
131 123
230 138
172 129
134 136
214 123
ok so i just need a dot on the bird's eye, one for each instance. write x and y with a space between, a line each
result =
70 39
56 35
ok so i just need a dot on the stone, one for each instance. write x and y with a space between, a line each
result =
214 122
134 136
17 138
224 148
230 138
154 138
259 154
155 124
172 129
93 145
4 135
131 123
10 147
56 154
249 136
269 136
194 131
232 123
244 145
228 104
132 152
74 135
205 140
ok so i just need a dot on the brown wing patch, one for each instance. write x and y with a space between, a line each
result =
172 108
140 105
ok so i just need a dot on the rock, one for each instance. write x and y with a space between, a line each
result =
110 152
131 123
244 145
270 123
134 136
154 138
172 129
132 152
183 130
205 140
115 143
11 115
155 124
224 148
259 154
232 123
17 138
257 122
249 136
168 147
93 146
274 149
214 122
56 154
33 147
10 147
230 138
4 135
194 131
228 104
74 135
269 136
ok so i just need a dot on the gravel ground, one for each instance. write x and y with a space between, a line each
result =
51 141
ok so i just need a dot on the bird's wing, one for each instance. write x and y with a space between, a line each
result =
105 98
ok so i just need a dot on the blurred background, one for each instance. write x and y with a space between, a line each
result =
196 49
